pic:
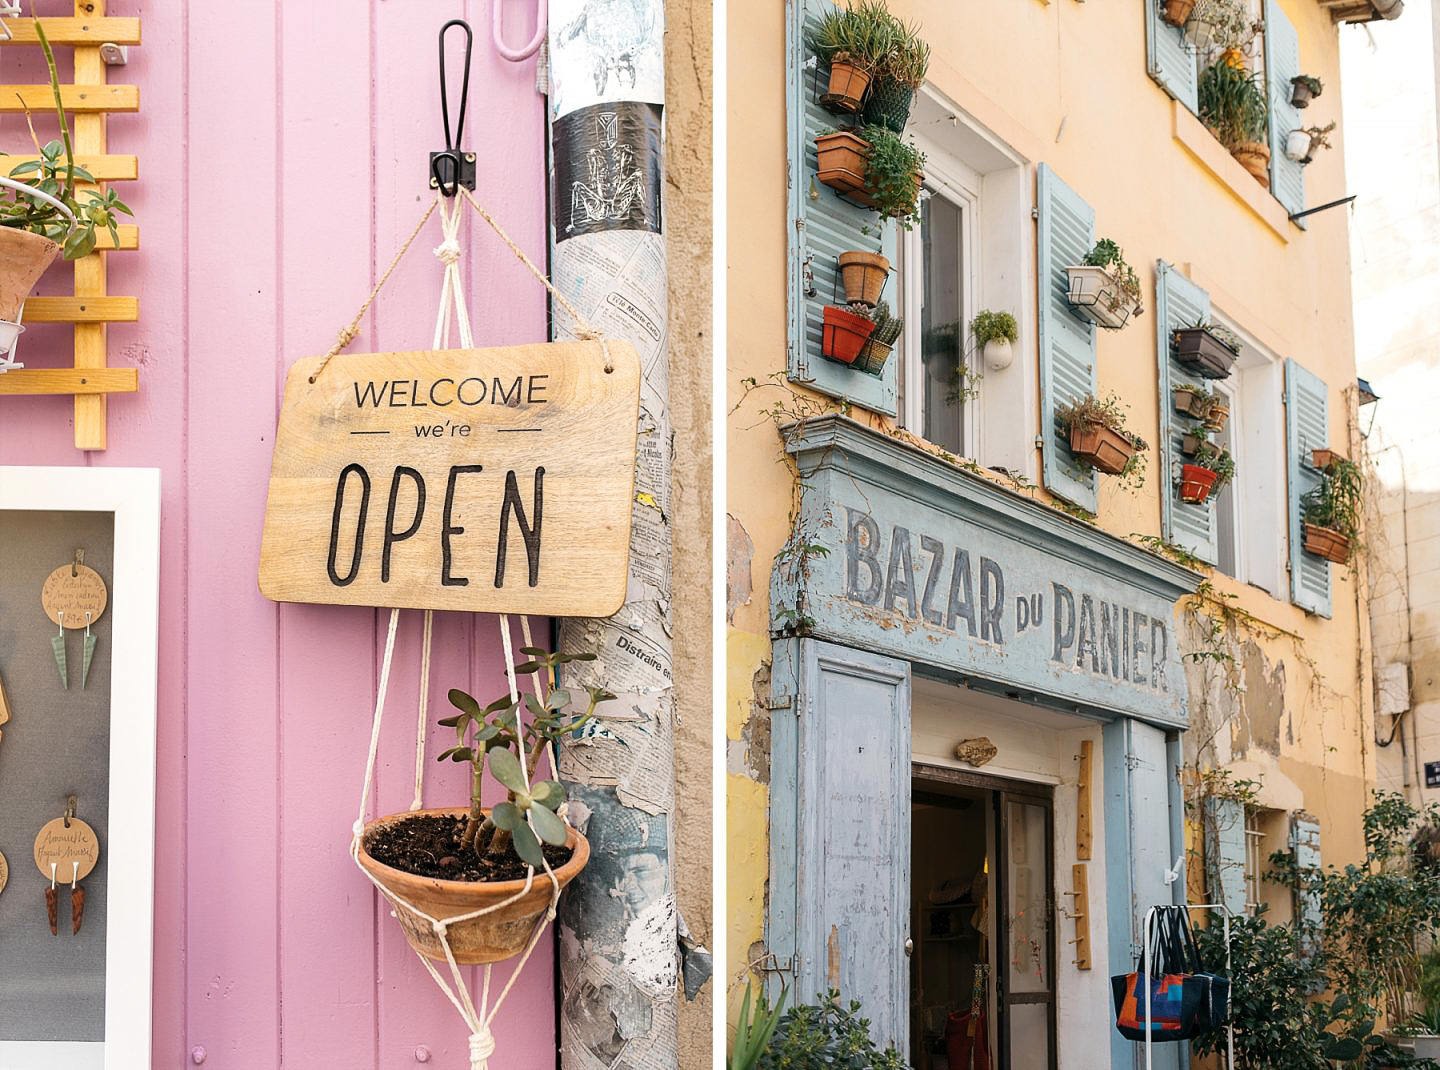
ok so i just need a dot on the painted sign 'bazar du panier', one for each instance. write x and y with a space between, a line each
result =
1037 386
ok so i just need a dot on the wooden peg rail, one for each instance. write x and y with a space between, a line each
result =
91 307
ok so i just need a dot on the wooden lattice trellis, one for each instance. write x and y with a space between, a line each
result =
88 102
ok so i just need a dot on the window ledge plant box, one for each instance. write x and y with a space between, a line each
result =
1197 348
1106 449
1095 296
1327 543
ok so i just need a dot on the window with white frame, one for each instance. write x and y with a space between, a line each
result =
1254 859
972 249
1250 510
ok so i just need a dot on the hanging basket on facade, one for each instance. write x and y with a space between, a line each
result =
1219 414
1327 543
863 276
1202 352
847 86
1177 12
1196 482
1096 296
843 334
840 161
1191 402
1103 448
889 104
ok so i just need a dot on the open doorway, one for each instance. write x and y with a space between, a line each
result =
982 954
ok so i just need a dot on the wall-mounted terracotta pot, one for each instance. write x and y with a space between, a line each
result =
863 275
1177 12
1327 543
1254 156
1102 447
1192 403
501 934
848 83
840 161
1324 457
1300 93
1196 482
23 259
1219 414
1190 442
843 333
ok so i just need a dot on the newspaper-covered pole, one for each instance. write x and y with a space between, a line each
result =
618 926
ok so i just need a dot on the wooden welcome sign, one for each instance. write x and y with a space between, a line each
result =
486 480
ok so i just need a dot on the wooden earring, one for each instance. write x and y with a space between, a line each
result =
52 903
77 900
66 841
74 597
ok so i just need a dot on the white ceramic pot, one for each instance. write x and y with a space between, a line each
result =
1297 145
1389 9
9 332
999 354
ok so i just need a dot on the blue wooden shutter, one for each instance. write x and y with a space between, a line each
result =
1307 427
1282 62
1225 852
1305 842
1170 57
822 227
1179 303
1141 844
840 827
1067 343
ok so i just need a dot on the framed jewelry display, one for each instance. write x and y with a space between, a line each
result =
79 606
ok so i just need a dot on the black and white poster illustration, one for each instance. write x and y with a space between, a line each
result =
607 50
607 169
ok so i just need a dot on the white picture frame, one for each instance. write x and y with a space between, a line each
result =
132 496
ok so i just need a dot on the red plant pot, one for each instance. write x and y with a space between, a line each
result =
1195 483
843 334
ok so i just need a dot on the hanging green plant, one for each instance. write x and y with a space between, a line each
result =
894 171
1331 512
1100 440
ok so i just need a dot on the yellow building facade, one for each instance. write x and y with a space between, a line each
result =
944 734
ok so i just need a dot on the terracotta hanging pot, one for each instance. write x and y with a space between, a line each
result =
1196 482
840 161
1190 443
843 333
863 275
1191 403
501 934
848 83
1254 156
1327 543
1324 457
1103 447
1218 416
1177 12
23 259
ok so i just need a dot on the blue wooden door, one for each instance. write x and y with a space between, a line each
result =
850 804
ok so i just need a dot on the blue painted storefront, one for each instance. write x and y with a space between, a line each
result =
902 563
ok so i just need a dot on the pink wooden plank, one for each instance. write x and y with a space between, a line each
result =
233 994
326 938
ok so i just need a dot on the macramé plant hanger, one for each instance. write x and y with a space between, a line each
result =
74 596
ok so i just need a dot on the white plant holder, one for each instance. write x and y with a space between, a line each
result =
1297 146
10 332
1095 296
999 354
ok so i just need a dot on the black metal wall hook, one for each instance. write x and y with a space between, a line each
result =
452 167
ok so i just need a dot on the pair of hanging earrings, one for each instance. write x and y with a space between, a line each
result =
77 900
74 596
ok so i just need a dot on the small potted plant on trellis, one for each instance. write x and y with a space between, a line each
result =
863 275
43 216
1206 473
1206 348
881 343
1303 89
995 335
844 332
898 74
452 862
852 41
874 168
1104 288
1098 436
1331 511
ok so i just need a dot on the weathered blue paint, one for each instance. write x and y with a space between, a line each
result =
1143 836
1305 842
840 809
1307 427
900 552
1225 851
1171 57
1282 62
1180 303
822 226
1067 342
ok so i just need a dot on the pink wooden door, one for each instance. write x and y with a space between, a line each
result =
282 161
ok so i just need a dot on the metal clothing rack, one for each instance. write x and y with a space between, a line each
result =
1145 958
